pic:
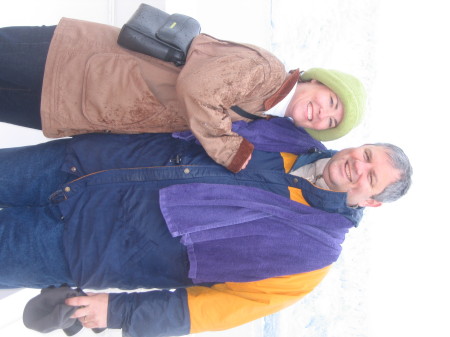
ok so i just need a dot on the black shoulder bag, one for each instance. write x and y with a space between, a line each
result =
154 32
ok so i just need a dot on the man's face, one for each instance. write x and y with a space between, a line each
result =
362 172
315 106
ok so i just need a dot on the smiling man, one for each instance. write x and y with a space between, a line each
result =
152 211
363 173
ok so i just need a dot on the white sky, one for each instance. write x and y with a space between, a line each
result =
410 254
409 278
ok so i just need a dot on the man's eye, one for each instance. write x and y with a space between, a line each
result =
331 101
332 123
366 156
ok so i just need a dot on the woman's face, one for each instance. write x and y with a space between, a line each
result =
315 106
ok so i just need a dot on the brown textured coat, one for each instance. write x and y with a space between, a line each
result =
91 84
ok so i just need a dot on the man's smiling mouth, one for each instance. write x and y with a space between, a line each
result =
348 172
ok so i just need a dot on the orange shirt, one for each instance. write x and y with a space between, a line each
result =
227 305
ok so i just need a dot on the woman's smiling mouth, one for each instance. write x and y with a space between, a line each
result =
309 110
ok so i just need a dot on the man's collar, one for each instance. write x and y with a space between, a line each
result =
330 201
313 172
311 157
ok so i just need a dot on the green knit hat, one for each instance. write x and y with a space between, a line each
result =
350 91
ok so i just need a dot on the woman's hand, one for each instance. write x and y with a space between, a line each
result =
93 311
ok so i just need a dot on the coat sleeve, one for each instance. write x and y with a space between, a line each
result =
210 83
149 314
198 309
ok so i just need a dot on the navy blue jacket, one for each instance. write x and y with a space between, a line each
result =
115 227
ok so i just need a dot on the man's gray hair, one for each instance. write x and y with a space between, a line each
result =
401 162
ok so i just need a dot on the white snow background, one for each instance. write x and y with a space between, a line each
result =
391 279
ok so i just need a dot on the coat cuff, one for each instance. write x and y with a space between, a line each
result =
116 308
158 313
243 153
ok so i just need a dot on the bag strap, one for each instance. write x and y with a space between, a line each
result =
241 112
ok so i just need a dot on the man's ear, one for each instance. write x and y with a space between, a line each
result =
370 203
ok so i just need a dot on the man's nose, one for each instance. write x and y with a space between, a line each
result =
361 167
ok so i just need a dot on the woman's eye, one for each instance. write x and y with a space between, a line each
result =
332 123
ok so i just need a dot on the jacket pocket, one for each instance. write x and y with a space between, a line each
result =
115 93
